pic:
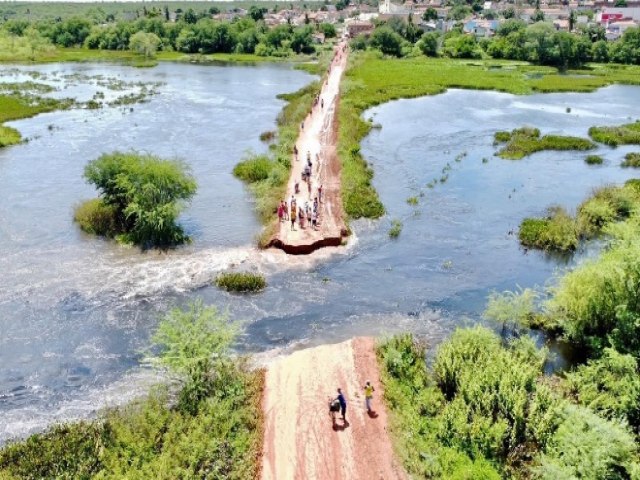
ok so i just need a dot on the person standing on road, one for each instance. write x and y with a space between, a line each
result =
343 405
368 395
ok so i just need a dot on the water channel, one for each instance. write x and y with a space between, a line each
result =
76 312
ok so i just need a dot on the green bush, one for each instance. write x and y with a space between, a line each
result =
609 385
254 169
502 136
588 447
631 160
557 231
606 205
241 282
620 135
147 194
593 160
8 136
525 141
97 218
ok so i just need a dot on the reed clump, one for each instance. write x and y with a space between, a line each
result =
593 160
241 282
556 231
631 160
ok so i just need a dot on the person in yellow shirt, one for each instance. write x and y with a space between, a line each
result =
368 395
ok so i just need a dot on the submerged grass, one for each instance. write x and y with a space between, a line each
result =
620 135
593 160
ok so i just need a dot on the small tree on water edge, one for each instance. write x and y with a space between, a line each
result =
143 195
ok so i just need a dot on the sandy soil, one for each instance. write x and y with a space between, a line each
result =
301 441
317 139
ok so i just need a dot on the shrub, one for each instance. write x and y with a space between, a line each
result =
412 200
605 205
396 228
241 282
609 385
557 231
254 169
502 136
614 136
631 160
8 136
588 447
147 194
97 218
593 160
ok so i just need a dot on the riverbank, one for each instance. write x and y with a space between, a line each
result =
371 79
301 440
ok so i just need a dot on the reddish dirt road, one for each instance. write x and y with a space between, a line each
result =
317 141
301 442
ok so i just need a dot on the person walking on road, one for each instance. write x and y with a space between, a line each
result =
343 405
368 395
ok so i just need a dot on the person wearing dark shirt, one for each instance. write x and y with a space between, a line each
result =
343 404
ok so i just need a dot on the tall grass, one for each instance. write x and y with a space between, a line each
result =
525 141
242 282
557 231
614 136
9 136
631 159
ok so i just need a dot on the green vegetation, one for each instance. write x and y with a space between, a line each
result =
631 160
241 282
614 136
371 80
412 200
9 136
213 429
539 42
194 33
485 411
525 141
141 198
267 175
593 160
556 231
396 229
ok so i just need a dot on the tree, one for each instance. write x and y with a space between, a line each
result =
190 16
430 14
387 41
428 44
509 12
461 46
538 16
144 43
146 193
257 13
572 20
328 29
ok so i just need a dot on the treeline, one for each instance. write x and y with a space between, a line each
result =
539 43
191 34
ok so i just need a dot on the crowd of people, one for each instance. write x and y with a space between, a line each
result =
304 208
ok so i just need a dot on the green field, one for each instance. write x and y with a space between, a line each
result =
121 10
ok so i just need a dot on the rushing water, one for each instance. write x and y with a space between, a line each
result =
76 312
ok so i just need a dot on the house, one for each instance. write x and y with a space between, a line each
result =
616 29
355 28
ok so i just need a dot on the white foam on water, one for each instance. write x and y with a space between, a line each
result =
21 422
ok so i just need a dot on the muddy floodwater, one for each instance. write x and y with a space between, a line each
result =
76 312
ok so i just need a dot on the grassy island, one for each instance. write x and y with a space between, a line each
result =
614 136
522 142
242 282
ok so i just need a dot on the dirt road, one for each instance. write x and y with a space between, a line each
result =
317 142
301 442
